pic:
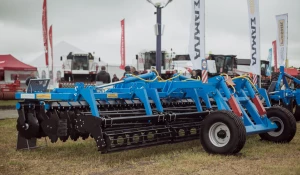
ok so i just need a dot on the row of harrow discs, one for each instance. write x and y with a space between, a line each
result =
141 111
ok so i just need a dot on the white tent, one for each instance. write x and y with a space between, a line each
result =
61 49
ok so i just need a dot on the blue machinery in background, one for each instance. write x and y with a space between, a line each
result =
142 111
282 93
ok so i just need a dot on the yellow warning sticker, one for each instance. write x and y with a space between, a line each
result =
112 95
43 96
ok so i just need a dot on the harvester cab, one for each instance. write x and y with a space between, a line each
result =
79 67
224 64
264 67
147 60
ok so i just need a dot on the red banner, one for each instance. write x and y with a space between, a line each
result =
51 46
275 55
45 28
122 66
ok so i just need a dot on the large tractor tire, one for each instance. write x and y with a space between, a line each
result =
286 123
297 113
222 132
294 109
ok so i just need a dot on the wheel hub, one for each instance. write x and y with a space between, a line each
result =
219 134
280 126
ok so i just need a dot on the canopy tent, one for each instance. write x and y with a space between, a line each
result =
8 62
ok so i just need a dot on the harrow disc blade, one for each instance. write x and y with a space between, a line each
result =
31 127
63 126
74 134
50 127
84 135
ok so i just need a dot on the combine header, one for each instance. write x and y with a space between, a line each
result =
142 111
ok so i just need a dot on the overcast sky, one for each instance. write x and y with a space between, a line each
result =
94 26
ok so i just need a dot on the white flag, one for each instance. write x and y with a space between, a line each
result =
197 33
282 37
254 33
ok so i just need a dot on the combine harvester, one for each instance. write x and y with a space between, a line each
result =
78 67
142 111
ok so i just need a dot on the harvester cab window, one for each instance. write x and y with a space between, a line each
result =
263 68
228 64
150 60
219 63
80 63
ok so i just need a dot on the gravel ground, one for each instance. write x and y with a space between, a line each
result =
8 114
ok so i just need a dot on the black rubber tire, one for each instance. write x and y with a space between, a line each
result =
290 107
297 113
237 133
293 108
289 125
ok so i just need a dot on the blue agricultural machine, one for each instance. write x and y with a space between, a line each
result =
285 91
143 110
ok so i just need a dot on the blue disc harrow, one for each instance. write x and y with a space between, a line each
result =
142 111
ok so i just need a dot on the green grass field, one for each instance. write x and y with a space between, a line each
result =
8 102
81 157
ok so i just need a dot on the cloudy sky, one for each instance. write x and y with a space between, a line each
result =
94 26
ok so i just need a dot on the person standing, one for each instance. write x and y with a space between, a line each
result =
32 76
133 71
194 74
103 76
16 79
115 78
127 71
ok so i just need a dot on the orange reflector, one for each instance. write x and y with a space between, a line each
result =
234 106
261 109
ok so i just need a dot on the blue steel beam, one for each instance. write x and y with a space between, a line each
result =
244 90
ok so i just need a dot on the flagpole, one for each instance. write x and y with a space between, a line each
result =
47 38
52 55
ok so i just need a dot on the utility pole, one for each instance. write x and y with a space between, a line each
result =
158 6
158 39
